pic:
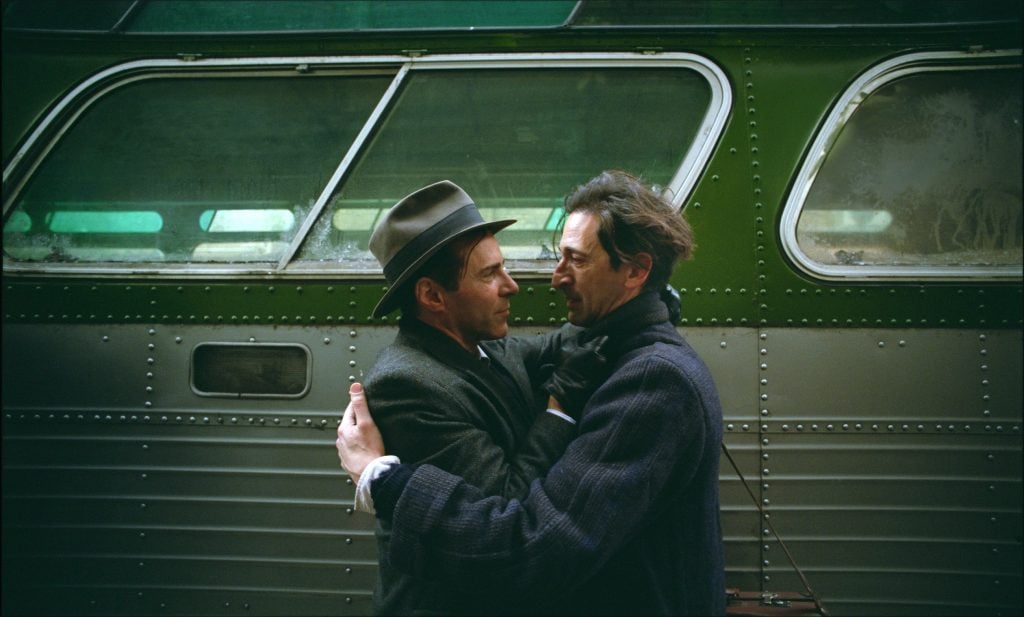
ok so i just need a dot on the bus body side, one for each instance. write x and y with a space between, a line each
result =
187 289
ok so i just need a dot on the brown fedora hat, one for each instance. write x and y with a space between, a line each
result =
417 227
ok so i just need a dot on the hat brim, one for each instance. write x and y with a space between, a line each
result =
387 302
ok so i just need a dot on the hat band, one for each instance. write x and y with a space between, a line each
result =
463 218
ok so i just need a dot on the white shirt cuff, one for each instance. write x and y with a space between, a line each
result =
364 500
561 414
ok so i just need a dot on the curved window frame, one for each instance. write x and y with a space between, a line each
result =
841 113
47 134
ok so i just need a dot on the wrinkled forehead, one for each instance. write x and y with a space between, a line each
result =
486 252
580 232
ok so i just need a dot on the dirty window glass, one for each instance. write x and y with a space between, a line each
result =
925 174
190 169
517 140
321 15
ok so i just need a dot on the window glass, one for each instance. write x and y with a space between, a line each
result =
320 15
181 169
75 15
517 140
926 174
728 13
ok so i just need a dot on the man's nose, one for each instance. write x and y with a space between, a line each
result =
511 286
560 276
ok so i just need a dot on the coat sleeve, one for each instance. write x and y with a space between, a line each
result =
642 430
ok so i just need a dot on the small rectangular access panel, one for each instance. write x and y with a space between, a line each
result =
250 370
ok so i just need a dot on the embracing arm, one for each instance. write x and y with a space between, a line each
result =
461 430
457 428
638 434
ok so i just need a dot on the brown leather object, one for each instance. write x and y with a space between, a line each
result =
770 603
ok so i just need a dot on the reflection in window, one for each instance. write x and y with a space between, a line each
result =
227 165
233 221
86 222
517 140
172 169
926 173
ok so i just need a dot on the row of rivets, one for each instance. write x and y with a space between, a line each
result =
762 385
253 420
712 291
150 360
986 401
877 322
352 363
272 319
269 319
759 235
904 427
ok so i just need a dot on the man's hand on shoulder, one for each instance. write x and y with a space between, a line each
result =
359 441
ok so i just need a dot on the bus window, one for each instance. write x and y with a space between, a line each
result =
288 165
924 179
225 164
517 140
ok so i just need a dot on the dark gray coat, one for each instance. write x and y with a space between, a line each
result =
437 404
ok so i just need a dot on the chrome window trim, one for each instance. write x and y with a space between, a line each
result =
840 114
350 155
681 185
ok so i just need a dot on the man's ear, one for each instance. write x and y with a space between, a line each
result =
429 295
639 269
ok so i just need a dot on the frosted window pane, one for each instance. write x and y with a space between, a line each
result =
927 172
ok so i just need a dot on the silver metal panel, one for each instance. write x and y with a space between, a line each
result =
731 355
868 475
877 374
143 370
936 512
741 529
119 478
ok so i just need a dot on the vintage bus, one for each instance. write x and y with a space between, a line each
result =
188 192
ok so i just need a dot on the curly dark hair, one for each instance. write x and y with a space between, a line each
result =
634 218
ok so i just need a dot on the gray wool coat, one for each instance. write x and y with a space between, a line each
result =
625 523
435 403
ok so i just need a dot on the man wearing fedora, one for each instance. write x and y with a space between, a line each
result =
453 390
626 522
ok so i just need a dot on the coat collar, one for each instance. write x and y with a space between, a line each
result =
437 343
640 313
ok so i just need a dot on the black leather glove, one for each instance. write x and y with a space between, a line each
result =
670 297
582 370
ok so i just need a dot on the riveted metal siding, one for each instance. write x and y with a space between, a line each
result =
127 493
870 378
731 356
891 459
874 461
